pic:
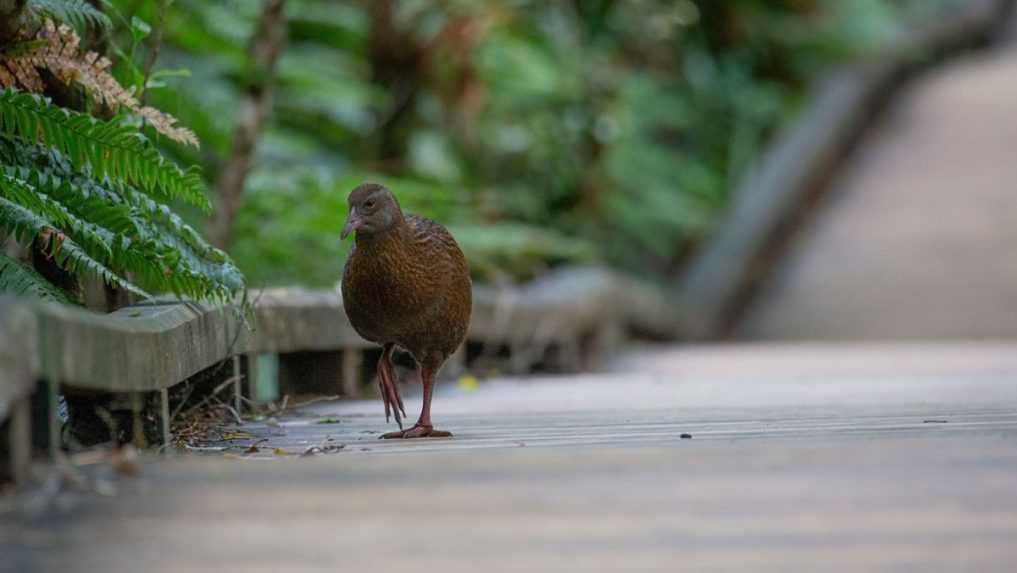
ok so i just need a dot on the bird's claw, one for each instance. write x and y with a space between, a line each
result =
417 431
390 395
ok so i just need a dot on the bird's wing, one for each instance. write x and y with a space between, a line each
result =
434 239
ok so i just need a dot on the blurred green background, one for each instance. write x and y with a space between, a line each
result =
542 133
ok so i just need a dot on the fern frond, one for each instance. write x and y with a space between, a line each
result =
106 148
78 13
28 228
23 194
61 55
57 49
17 72
120 227
21 279
157 261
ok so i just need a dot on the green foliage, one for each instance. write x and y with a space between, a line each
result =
28 227
78 13
105 148
619 126
517 252
299 211
21 279
83 210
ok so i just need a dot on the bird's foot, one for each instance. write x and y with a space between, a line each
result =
417 431
390 394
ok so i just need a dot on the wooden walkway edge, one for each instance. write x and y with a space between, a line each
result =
150 348
720 279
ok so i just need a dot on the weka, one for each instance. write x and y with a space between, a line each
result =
407 284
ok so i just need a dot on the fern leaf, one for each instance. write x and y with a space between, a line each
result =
120 227
61 56
57 50
106 148
77 13
21 279
28 228
137 251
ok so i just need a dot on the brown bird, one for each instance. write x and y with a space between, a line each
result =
407 284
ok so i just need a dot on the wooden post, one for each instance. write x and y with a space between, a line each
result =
519 359
456 364
167 437
20 435
607 339
571 356
350 383
263 376
53 412
237 386
137 422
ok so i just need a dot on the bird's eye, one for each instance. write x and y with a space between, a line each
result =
369 204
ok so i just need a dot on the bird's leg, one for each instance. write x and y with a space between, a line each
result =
387 385
423 427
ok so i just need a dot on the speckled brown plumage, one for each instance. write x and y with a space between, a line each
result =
406 283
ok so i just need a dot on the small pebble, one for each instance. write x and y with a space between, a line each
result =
686 436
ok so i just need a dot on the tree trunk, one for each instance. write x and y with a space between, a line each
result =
263 51
395 65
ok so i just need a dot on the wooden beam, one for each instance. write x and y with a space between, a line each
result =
138 348
18 353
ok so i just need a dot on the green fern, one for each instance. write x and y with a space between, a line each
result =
28 227
88 194
20 279
105 149
117 226
78 13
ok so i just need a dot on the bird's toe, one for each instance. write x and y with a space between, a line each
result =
417 431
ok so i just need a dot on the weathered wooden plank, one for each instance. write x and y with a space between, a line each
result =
18 357
154 346
570 301
17 361
556 306
934 504
724 272
802 458
20 441
297 319
139 348
350 381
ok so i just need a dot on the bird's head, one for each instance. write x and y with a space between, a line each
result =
373 210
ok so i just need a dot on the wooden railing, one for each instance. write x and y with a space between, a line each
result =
18 364
582 312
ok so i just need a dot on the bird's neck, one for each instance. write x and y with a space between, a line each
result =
390 238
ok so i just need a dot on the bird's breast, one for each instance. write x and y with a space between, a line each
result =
380 293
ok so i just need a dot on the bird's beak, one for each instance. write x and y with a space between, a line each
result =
353 222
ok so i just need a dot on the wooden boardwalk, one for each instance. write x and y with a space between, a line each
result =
916 237
801 457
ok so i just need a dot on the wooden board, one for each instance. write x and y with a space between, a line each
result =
916 236
150 347
17 353
802 458
722 276
140 348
